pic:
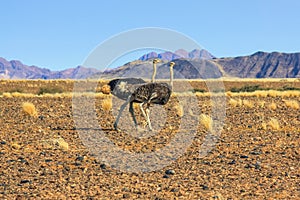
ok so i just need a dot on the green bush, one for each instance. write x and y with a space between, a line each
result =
247 88
47 90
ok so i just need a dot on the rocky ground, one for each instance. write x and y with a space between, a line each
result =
57 154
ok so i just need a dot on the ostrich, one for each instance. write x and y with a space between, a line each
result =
151 93
123 88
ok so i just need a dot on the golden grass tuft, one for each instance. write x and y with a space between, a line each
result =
206 121
264 125
7 95
29 109
292 104
274 124
62 144
106 104
261 104
15 145
272 106
248 104
105 89
179 110
233 102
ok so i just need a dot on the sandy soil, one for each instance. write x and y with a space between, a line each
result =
247 161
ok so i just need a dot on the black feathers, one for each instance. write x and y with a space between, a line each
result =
123 88
156 93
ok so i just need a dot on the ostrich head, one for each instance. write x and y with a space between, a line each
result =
156 60
172 64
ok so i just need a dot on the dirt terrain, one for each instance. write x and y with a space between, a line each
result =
47 155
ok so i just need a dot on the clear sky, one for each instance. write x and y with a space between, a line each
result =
59 34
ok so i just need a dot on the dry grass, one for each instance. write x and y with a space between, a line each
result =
29 109
62 144
264 125
56 143
179 110
274 124
206 121
261 103
248 104
106 104
233 102
105 89
272 106
292 104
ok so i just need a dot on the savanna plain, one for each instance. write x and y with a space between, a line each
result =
254 155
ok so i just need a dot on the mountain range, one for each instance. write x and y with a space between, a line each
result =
189 65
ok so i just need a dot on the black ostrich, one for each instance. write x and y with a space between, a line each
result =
124 87
151 93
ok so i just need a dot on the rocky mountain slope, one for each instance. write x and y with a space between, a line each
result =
180 53
189 65
262 65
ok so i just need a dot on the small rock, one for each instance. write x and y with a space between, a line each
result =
166 176
269 175
257 166
126 196
204 187
24 181
103 166
243 156
48 160
80 158
232 162
255 152
41 117
170 172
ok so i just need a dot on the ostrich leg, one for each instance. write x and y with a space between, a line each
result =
131 110
120 113
146 116
148 119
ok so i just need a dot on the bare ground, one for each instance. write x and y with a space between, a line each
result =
247 161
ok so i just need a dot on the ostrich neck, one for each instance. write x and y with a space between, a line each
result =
171 77
154 73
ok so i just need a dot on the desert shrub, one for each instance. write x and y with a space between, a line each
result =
287 87
198 90
49 90
246 88
29 109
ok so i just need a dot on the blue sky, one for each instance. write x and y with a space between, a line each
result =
61 34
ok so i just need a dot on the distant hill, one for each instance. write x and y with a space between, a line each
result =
180 53
17 70
262 65
257 65
189 65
